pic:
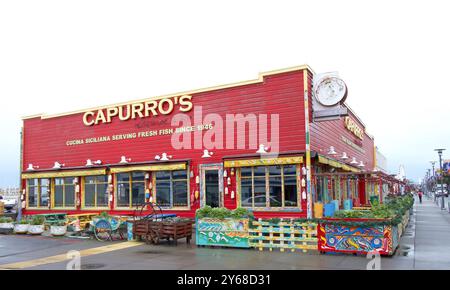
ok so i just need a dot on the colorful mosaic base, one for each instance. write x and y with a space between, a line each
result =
222 232
335 238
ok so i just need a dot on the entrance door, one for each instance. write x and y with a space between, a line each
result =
212 185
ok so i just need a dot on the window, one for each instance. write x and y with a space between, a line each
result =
38 192
171 188
130 189
269 186
64 195
96 191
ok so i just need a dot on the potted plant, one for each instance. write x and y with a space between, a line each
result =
58 229
21 227
37 225
6 225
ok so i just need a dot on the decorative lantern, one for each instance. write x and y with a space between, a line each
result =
226 190
232 194
196 194
228 181
304 171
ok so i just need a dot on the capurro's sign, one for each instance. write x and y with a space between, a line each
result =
146 109
353 127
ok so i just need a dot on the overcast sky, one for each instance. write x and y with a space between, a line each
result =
58 56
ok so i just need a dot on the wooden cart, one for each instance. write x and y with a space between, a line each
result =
155 231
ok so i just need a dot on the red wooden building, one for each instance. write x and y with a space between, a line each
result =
117 156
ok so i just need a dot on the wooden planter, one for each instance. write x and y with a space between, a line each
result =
381 238
284 235
226 232
154 231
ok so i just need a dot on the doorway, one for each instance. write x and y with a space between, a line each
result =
212 185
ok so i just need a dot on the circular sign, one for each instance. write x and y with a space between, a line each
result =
330 91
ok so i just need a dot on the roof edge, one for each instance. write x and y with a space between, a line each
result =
260 79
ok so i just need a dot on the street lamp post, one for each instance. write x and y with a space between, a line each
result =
439 151
432 164
428 181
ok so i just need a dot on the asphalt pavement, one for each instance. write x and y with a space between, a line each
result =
424 245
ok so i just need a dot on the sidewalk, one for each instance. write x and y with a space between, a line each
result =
432 236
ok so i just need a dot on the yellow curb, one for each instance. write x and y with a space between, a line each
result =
63 257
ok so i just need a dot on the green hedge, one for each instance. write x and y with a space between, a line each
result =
222 213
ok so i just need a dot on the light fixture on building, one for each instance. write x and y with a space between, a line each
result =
57 165
206 154
124 160
262 149
331 151
165 157
361 164
31 167
304 170
344 156
89 162
354 161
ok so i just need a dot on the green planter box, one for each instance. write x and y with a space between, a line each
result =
226 232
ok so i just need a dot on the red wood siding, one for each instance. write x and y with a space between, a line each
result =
328 133
45 139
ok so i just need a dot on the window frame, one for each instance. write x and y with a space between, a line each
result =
54 185
267 176
171 197
83 193
38 187
130 184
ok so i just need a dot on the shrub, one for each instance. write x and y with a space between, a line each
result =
37 220
353 214
59 224
5 220
24 222
221 213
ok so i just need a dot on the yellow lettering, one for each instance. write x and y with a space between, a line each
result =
185 103
137 110
161 106
111 112
151 107
85 118
100 117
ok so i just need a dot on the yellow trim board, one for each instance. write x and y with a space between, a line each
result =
158 167
260 79
69 173
263 162
63 257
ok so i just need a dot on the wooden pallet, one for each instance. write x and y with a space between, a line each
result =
285 235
